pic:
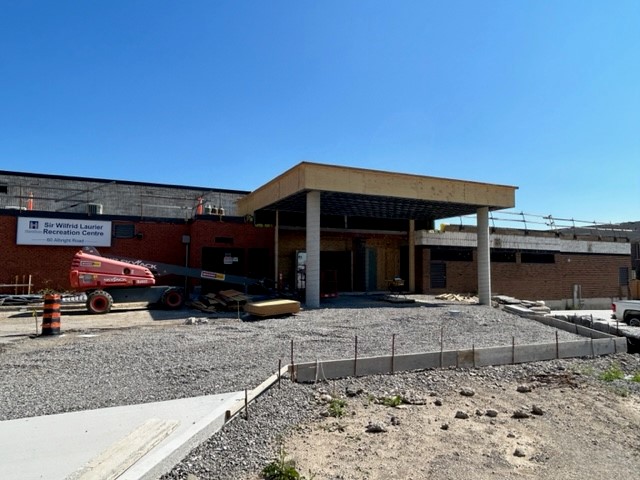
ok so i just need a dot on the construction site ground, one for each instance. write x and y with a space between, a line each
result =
588 428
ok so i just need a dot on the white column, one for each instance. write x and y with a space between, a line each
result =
312 299
484 263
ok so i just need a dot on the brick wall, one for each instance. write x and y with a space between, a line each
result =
159 241
596 274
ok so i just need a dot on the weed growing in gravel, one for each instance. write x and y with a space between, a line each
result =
636 377
337 407
282 469
621 391
614 372
393 401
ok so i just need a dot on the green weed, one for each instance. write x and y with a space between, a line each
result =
337 407
614 372
392 401
281 469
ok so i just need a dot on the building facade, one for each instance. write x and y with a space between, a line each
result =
373 228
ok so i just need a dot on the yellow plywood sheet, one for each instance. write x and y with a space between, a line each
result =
272 308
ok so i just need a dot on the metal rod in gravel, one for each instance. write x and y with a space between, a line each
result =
355 358
393 353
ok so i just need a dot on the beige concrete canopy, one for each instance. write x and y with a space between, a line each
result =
377 194
317 190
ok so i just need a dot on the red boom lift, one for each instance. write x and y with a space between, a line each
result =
108 280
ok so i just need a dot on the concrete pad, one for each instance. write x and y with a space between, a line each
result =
72 445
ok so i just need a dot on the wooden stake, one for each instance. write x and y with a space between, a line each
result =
592 350
246 404
557 346
513 350
279 370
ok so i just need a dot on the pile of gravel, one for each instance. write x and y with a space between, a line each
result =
105 368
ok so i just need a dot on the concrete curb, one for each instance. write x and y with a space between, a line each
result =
597 343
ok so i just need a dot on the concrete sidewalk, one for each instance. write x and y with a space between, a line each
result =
128 442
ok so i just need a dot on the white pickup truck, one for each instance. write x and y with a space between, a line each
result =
628 311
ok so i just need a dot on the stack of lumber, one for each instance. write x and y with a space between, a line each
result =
457 297
224 300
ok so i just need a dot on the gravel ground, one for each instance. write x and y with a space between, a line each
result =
103 368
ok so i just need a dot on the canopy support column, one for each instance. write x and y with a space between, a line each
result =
484 257
312 294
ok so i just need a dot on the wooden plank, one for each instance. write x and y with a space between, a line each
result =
271 308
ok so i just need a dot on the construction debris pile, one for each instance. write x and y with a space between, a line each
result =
510 303
19 299
458 297
225 300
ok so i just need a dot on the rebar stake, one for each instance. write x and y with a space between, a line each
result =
279 371
246 404
557 346
473 353
441 344
393 353
355 358
293 370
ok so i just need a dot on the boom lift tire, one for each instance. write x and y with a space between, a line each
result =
172 299
99 302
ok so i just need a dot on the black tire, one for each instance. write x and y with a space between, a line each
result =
634 321
172 299
99 302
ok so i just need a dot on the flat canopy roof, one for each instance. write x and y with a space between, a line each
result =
374 193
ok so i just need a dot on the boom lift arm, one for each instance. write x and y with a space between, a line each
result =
107 280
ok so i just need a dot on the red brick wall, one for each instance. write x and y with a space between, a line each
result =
597 275
243 235
160 241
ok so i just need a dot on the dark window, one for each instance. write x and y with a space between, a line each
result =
503 256
537 257
225 240
4 189
450 254
623 275
438 275
124 231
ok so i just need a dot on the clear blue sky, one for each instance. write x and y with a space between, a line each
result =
540 94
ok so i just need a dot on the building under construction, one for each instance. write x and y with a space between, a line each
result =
316 229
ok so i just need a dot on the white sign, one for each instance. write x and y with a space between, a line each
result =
63 232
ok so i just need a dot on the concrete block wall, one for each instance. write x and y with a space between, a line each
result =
73 195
